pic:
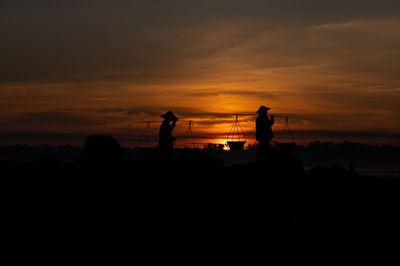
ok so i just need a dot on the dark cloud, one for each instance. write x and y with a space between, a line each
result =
152 40
42 121
244 93
35 138
185 112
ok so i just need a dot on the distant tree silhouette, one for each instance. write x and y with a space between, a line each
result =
103 149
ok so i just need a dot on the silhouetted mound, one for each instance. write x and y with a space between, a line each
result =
281 163
336 174
102 150
319 171
148 152
196 158
49 160
286 147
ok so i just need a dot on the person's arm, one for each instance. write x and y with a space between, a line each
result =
272 120
171 127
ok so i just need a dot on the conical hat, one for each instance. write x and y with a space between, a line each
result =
169 115
263 109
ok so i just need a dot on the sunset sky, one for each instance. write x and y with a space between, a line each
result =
73 68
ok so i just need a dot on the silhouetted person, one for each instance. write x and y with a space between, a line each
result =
166 141
264 133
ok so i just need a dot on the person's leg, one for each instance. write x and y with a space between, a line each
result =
260 150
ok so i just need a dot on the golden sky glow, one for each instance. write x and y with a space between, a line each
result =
84 67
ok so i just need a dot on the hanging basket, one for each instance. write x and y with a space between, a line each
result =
285 141
236 145
189 141
236 137
147 143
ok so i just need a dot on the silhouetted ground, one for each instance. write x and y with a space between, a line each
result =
103 195
362 155
368 158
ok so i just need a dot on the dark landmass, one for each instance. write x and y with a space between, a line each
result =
363 156
105 195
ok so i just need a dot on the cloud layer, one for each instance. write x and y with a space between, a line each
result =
107 66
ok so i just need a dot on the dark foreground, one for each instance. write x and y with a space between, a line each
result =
193 198
192 206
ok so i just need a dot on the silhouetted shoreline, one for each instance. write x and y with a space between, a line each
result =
368 159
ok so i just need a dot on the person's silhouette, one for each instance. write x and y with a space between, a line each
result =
263 131
166 141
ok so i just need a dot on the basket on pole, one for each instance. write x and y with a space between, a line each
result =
285 141
148 143
189 140
236 137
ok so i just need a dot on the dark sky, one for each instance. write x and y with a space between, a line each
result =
72 67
